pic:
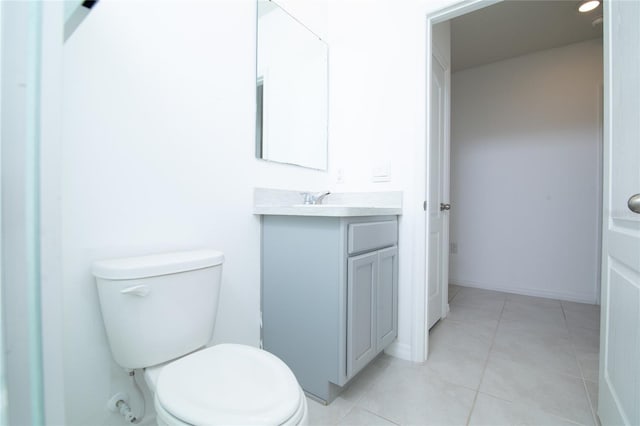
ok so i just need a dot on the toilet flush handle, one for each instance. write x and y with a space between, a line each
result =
138 290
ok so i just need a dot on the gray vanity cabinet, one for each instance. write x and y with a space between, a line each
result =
329 295
361 311
371 306
387 300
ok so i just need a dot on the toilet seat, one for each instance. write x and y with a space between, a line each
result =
229 384
164 418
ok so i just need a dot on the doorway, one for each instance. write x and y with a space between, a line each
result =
534 187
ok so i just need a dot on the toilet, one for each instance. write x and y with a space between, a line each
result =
159 312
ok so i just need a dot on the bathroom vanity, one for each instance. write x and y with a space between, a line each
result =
329 290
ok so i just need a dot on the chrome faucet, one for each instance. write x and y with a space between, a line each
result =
311 198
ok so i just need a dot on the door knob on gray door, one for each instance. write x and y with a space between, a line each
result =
634 203
444 206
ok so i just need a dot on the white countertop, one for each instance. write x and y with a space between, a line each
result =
346 204
331 210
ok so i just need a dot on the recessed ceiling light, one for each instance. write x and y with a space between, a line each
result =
589 5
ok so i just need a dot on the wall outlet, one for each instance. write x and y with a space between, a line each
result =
453 248
340 175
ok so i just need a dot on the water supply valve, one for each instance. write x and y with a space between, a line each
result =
120 403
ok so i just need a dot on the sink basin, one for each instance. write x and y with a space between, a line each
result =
290 203
318 206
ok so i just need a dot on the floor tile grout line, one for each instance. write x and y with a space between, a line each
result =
575 352
357 399
486 363
473 406
362 395
580 368
573 347
575 355
490 353
564 314
543 369
580 374
342 417
593 410
378 415
584 380
542 410
582 328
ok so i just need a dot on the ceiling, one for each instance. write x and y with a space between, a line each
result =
517 27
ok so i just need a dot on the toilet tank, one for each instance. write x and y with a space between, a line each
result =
159 307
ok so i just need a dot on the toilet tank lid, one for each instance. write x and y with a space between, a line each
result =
128 268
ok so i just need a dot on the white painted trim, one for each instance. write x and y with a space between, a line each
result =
460 9
419 343
445 173
20 126
420 333
51 212
572 297
4 408
600 183
399 350
606 403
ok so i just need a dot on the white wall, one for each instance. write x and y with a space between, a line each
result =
377 116
158 154
158 151
524 182
18 215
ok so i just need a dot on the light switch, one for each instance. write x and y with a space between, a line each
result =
380 173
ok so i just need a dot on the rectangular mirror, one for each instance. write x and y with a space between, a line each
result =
291 90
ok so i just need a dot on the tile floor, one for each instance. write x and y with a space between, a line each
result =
497 359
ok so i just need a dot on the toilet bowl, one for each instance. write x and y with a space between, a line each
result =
159 312
227 384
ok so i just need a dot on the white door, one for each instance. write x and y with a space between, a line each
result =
619 394
437 203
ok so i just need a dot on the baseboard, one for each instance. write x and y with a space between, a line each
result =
399 350
570 297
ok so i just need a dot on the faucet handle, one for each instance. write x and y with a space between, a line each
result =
311 198
308 197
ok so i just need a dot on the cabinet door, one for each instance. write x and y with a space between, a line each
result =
387 298
361 312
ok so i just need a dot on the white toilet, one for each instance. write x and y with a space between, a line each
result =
159 312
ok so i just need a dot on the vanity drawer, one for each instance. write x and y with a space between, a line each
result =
372 235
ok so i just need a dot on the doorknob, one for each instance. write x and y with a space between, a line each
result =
444 206
634 203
